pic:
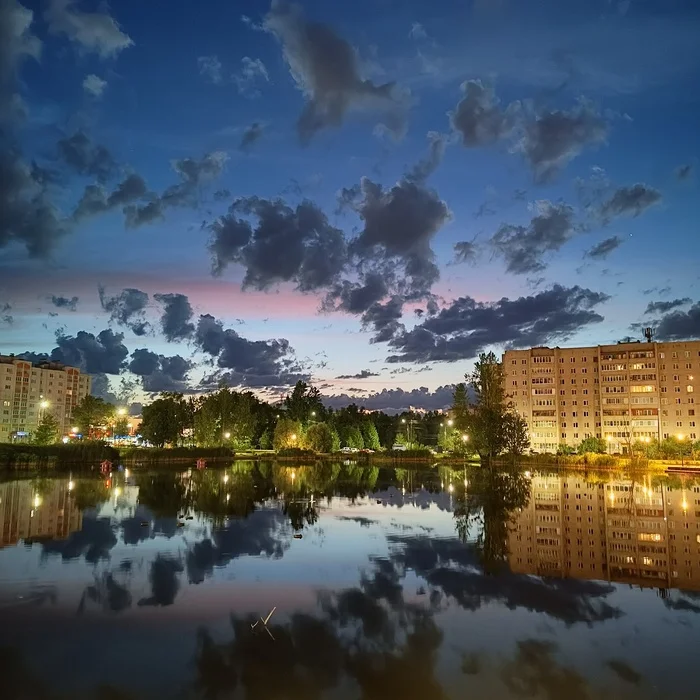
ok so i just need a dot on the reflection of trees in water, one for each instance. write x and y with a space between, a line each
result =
108 592
164 579
487 504
368 634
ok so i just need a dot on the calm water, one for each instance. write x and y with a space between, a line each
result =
425 583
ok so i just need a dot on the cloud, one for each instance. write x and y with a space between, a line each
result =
243 362
663 307
356 298
210 68
160 373
629 201
194 174
126 308
177 314
28 215
65 303
16 40
524 247
417 31
6 317
104 353
252 72
96 201
465 251
478 118
384 319
550 140
601 250
94 85
325 68
364 374
683 172
250 135
94 32
287 244
87 159
397 400
679 325
467 327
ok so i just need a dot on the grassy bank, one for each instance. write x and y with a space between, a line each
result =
19 456
174 455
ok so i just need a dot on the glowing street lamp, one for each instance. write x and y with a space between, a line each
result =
121 411
465 438
75 430
293 437
227 435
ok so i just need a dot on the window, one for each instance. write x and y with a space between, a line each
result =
690 388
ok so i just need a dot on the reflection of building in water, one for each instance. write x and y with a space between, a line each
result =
26 513
625 531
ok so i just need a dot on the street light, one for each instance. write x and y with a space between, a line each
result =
44 404
227 436
121 411
293 437
465 438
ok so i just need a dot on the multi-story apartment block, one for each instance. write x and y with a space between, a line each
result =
27 391
621 393
627 531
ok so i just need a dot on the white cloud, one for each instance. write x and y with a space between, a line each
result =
210 68
16 40
252 70
417 31
96 32
94 85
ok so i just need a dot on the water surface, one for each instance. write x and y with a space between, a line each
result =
421 583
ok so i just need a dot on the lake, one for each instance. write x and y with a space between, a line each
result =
385 583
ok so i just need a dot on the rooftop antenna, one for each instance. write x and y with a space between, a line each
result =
648 334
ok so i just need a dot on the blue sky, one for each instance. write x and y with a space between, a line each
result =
573 125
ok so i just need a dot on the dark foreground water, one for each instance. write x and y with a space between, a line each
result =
425 583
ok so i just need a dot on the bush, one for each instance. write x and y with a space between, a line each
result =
296 453
72 453
164 454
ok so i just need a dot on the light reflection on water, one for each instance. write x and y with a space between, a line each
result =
422 583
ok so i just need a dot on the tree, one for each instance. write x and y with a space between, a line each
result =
319 437
90 413
121 426
304 401
47 430
485 420
164 420
227 417
460 408
592 444
370 435
288 433
515 437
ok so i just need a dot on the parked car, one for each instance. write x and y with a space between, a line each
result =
346 450
399 448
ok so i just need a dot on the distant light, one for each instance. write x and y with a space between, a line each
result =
313 413
117 492
528 475
450 488
74 430
71 485
228 497
403 420
126 473
44 404
226 478
294 475
121 411
680 436
466 483
37 500
65 440
227 435
684 505
293 436
450 422
465 438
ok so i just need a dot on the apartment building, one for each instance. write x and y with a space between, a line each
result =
623 531
27 514
620 393
27 391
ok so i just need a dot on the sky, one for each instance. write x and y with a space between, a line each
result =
365 196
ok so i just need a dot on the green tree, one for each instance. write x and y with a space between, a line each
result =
335 439
47 430
515 437
370 436
319 437
592 444
121 426
352 437
304 401
165 420
227 417
460 408
91 413
485 420
288 433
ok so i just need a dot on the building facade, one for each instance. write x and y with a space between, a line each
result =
627 531
621 393
27 391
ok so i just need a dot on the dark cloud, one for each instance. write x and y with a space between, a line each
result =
325 68
524 247
101 388
550 140
102 353
251 134
364 374
625 671
397 400
194 175
384 319
629 201
662 307
6 317
287 244
160 373
478 117
243 362
679 325
177 315
683 172
356 298
466 327
601 250
65 303
85 157
465 251
126 308
426 166
220 195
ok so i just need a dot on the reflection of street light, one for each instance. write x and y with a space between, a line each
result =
294 475
450 488
71 485
37 500
226 478
293 437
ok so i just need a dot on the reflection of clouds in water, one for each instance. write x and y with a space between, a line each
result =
263 532
454 569
93 541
